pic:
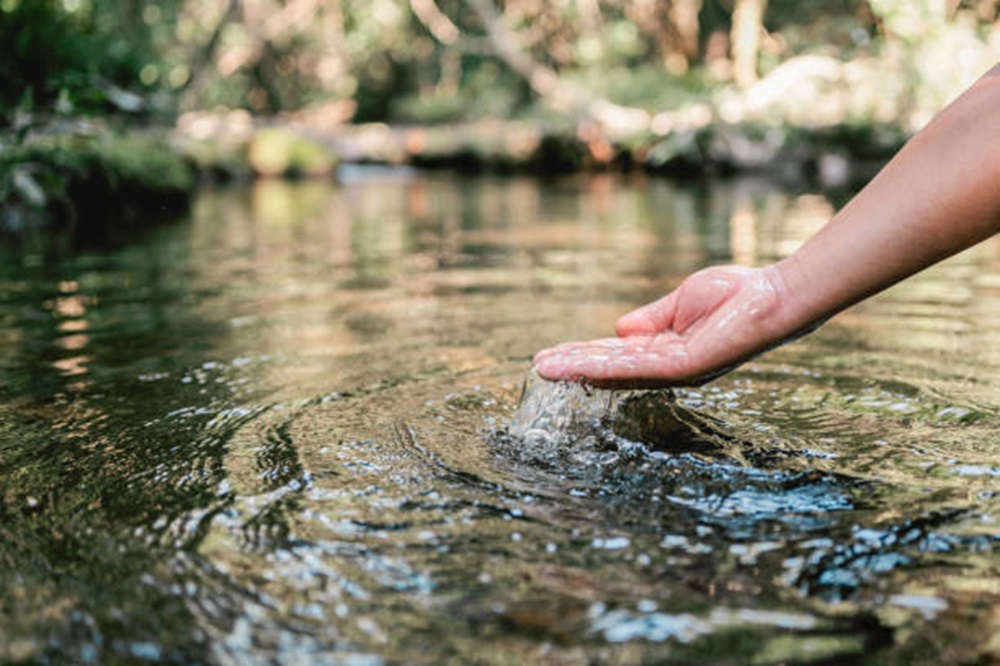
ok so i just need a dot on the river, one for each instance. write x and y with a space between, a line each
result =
298 426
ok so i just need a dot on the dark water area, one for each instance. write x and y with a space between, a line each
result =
299 427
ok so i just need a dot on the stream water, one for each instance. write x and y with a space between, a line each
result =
299 427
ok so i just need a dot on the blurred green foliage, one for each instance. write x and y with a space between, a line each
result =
426 61
27 70
78 55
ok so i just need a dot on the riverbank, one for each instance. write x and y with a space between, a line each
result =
234 146
803 123
811 118
87 181
101 184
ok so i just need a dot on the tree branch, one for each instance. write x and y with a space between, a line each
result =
208 51
436 22
546 83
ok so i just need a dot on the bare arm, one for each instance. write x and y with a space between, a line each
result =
939 195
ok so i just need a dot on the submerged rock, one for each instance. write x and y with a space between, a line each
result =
554 420
654 418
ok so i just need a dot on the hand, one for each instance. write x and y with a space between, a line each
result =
936 197
718 318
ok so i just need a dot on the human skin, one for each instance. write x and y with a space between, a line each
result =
939 195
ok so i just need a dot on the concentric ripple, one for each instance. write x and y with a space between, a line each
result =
300 427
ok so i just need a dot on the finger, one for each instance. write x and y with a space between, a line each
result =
568 349
649 319
603 363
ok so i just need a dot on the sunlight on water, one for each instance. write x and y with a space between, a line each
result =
300 427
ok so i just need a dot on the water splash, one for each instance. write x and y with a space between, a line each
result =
556 423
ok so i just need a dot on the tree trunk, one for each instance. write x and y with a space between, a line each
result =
684 16
748 24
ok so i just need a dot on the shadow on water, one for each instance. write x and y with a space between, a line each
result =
296 428
82 335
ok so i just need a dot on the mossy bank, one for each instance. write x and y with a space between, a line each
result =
94 185
100 185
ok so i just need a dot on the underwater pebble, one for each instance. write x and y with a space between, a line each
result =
612 543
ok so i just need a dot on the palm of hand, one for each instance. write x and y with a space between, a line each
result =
717 318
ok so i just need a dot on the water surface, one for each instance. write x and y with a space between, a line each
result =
299 427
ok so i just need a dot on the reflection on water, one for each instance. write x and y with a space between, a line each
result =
299 426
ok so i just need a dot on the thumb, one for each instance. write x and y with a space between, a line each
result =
704 292
649 319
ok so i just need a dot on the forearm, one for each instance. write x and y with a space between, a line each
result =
938 196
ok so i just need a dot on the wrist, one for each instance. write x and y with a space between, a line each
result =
791 283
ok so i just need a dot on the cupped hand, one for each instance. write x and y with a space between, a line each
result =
716 319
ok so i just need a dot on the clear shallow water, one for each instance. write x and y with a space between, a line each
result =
291 429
